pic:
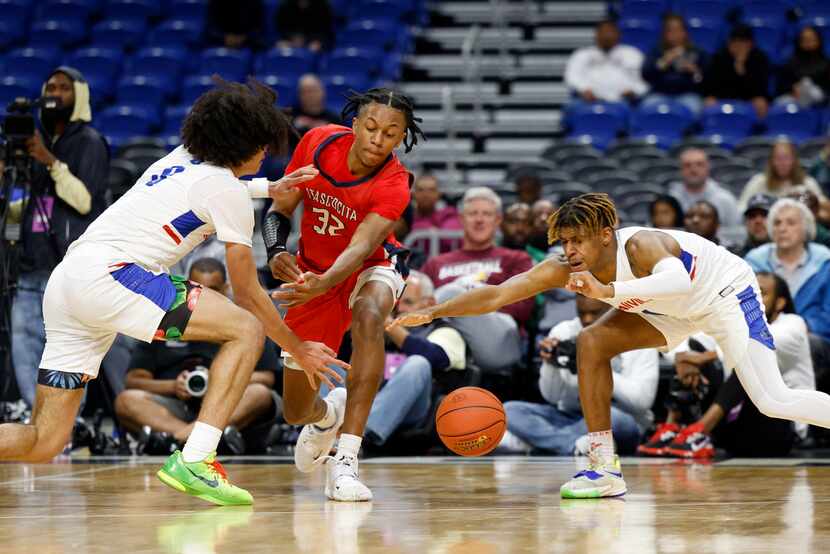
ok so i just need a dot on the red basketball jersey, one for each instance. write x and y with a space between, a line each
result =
336 201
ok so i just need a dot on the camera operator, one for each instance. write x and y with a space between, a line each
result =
558 426
167 380
66 193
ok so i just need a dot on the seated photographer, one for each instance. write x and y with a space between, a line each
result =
431 361
731 421
167 380
558 426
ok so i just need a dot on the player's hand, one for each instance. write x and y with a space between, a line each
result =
284 267
181 386
412 319
315 359
288 183
307 287
584 283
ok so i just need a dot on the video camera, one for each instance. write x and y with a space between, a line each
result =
564 355
19 126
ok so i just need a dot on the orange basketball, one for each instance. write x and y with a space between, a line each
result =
470 421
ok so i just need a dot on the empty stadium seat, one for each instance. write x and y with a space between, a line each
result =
383 9
370 33
354 60
141 90
666 122
12 87
286 88
640 33
61 32
602 121
770 11
338 86
286 62
173 119
230 63
194 86
770 38
119 123
709 9
163 63
187 8
728 121
34 63
177 32
119 33
643 8
790 119
706 33
97 60
129 9
60 9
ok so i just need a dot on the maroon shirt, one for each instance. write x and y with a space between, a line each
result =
500 264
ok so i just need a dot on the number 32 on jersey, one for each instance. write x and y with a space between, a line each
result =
328 223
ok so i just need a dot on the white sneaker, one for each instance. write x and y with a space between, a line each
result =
314 444
601 479
342 482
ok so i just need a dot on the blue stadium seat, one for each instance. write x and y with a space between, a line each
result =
392 66
98 60
120 33
645 9
354 60
285 87
706 33
32 61
16 11
664 123
126 120
133 9
709 9
65 9
61 32
728 122
187 9
338 86
163 63
230 63
286 61
11 33
101 86
177 32
640 33
173 119
770 11
816 11
141 89
386 9
194 86
790 119
370 33
12 87
601 121
769 38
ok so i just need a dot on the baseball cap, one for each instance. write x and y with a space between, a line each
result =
760 201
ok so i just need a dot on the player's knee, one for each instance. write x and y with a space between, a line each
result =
367 320
251 331
590 345
49 444
126 401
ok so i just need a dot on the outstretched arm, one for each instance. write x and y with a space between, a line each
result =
489 298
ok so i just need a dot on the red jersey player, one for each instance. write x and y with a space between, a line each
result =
348 271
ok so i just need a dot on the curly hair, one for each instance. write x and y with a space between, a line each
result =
230 123
356 101
589 212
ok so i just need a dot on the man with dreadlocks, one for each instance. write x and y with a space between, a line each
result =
349 271
665 286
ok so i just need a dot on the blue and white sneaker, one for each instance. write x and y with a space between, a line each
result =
600 479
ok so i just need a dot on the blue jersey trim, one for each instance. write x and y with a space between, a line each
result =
754 316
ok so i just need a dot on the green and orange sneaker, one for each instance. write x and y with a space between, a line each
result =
206 480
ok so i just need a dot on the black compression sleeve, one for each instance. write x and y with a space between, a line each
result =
275 231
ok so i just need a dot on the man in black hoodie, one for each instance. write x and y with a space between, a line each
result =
67 193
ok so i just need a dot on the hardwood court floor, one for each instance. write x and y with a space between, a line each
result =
432 505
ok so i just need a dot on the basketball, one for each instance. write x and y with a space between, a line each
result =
471 421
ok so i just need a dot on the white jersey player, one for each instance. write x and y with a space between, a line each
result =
665 286
114 279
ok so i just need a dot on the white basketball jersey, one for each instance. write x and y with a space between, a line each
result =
174 206
712 269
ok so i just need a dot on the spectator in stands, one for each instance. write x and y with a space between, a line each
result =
820 170
809 199
735 422
674 70
783 173
304 24
432 352
666 213
515 229
609 71
702 219
431 212
558 426
803 264
740 71
537 244
479 260
528 188
805 78
71 162
755 221
697 185
237 24
311 111
157 395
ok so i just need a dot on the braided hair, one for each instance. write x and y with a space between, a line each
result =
356 101
591 212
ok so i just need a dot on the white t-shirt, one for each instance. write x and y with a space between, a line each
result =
174 206
607 74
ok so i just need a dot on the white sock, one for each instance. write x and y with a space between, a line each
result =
349 445
329 419
202 441
603 441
